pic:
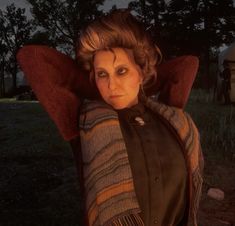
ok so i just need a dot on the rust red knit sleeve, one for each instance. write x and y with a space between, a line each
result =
57 82
175 79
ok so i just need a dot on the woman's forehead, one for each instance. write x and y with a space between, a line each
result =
113 56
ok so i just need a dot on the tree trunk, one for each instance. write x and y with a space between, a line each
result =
14 78
2 80
207 68
207 45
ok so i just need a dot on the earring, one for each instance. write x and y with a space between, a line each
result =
142 89
142 95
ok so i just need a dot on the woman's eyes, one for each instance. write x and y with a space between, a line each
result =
119 71
122 71
101 74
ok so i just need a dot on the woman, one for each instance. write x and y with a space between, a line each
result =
141 159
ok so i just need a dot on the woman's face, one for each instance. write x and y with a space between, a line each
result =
117 77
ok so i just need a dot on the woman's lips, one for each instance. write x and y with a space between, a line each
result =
115 96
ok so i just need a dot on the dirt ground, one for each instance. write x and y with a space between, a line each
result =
213 212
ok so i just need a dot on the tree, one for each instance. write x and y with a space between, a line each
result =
196 27
15 31
64 19
40 38
151 12
199 26
3 53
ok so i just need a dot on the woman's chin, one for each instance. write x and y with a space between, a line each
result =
118 105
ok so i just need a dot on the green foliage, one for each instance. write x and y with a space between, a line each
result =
188 26
151 13
15 30
202 24
41 38
63 20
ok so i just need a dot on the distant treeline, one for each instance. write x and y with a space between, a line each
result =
195 27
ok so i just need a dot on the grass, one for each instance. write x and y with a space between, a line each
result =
38 185
216 123
38 179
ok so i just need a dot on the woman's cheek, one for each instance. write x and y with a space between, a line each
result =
101 85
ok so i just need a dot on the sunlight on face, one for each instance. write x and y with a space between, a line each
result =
117 78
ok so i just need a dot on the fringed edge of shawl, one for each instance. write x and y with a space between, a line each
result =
128 220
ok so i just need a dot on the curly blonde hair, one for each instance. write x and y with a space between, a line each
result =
119 29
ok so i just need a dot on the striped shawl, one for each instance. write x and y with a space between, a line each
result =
108 182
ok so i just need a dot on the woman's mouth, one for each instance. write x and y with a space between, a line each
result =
115 96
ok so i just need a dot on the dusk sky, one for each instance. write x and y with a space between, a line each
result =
18 3
108 4
23 4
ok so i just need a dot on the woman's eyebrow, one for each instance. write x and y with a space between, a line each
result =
100 68
121 65
117 66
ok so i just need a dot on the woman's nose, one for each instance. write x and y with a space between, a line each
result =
112 83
